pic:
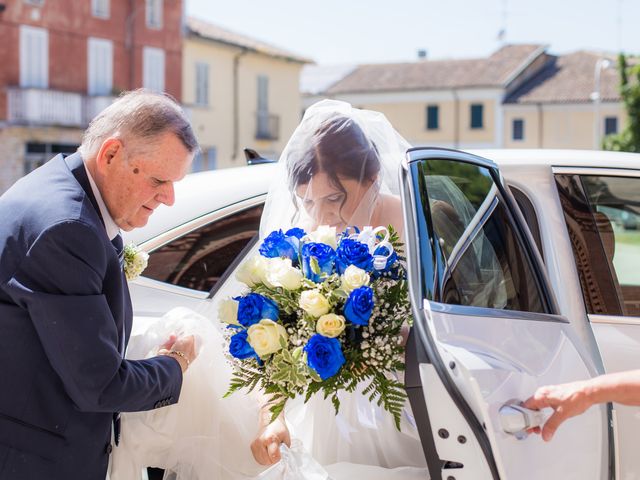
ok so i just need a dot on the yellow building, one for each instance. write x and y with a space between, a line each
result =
518 97
573 102
241 93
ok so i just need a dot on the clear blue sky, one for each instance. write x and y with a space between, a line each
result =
361 31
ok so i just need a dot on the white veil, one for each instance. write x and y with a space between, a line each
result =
334 137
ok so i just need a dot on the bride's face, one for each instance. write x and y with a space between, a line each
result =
326 204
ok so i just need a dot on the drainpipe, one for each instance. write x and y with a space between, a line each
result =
236 95
540 126
456 115
128 43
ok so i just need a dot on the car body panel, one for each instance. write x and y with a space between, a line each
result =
611 343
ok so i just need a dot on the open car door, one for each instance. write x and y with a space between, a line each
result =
487 332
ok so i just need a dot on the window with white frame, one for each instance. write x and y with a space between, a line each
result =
154 14
100 8
202 83
34 57
100 66
153 69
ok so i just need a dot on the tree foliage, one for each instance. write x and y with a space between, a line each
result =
628 140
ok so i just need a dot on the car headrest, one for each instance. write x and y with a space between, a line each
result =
606 234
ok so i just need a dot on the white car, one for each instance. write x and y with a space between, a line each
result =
524 271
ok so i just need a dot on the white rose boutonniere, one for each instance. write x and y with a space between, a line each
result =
135 261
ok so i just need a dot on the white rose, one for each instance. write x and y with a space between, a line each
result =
330 325
228 311
325 234
281 273
354 277
135 261
314 303
264 337
252 271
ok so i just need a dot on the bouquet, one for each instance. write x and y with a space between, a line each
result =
322 313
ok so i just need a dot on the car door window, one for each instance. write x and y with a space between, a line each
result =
485 264
198 259
603 219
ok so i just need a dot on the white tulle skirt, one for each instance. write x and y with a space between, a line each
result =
207 437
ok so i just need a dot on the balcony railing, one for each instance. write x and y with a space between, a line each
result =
31 106
267 126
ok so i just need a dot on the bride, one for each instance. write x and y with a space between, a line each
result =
340 168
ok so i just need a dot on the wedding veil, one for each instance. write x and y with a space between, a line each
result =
342 142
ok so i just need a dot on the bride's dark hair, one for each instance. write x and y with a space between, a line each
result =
338 148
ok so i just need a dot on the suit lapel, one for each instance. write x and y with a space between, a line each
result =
120 304
79 171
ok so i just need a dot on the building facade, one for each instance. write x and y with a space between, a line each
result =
519 97
240 92
63 61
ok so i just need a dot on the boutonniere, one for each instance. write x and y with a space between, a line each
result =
135 261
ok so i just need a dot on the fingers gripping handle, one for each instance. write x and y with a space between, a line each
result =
516 420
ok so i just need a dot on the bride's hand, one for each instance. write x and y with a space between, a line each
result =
266 446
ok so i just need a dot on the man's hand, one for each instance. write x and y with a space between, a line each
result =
567 400
266 446
186 346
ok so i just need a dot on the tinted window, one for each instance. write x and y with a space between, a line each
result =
608 228
198 259
484 261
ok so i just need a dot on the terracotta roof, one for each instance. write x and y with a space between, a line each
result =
494 71
570 79
200 28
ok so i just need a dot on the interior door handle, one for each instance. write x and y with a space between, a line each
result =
516 419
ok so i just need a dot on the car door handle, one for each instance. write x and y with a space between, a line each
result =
516 419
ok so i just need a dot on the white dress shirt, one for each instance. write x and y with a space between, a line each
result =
109 224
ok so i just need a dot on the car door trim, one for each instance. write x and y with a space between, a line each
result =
602 172
471 311
613 319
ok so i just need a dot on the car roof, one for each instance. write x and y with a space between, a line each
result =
204 192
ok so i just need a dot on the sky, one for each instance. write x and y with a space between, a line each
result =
337 32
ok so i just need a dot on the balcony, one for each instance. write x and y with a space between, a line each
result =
267 126
31 106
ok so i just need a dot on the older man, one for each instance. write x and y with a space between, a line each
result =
571 399
65 310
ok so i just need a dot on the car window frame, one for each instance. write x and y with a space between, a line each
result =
522 233
190 226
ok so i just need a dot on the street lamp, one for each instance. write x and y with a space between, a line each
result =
601 64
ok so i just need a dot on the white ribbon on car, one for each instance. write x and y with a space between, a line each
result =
369 236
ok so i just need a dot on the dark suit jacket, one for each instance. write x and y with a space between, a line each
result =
64 306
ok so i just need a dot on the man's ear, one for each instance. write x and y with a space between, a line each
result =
110 152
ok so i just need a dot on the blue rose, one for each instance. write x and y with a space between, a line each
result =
324 255
296 232
254 307
359 306
240 348
352 252
278 244
324 355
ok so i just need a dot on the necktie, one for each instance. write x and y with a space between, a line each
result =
118 245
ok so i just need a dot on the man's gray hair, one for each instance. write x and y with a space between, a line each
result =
138 118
